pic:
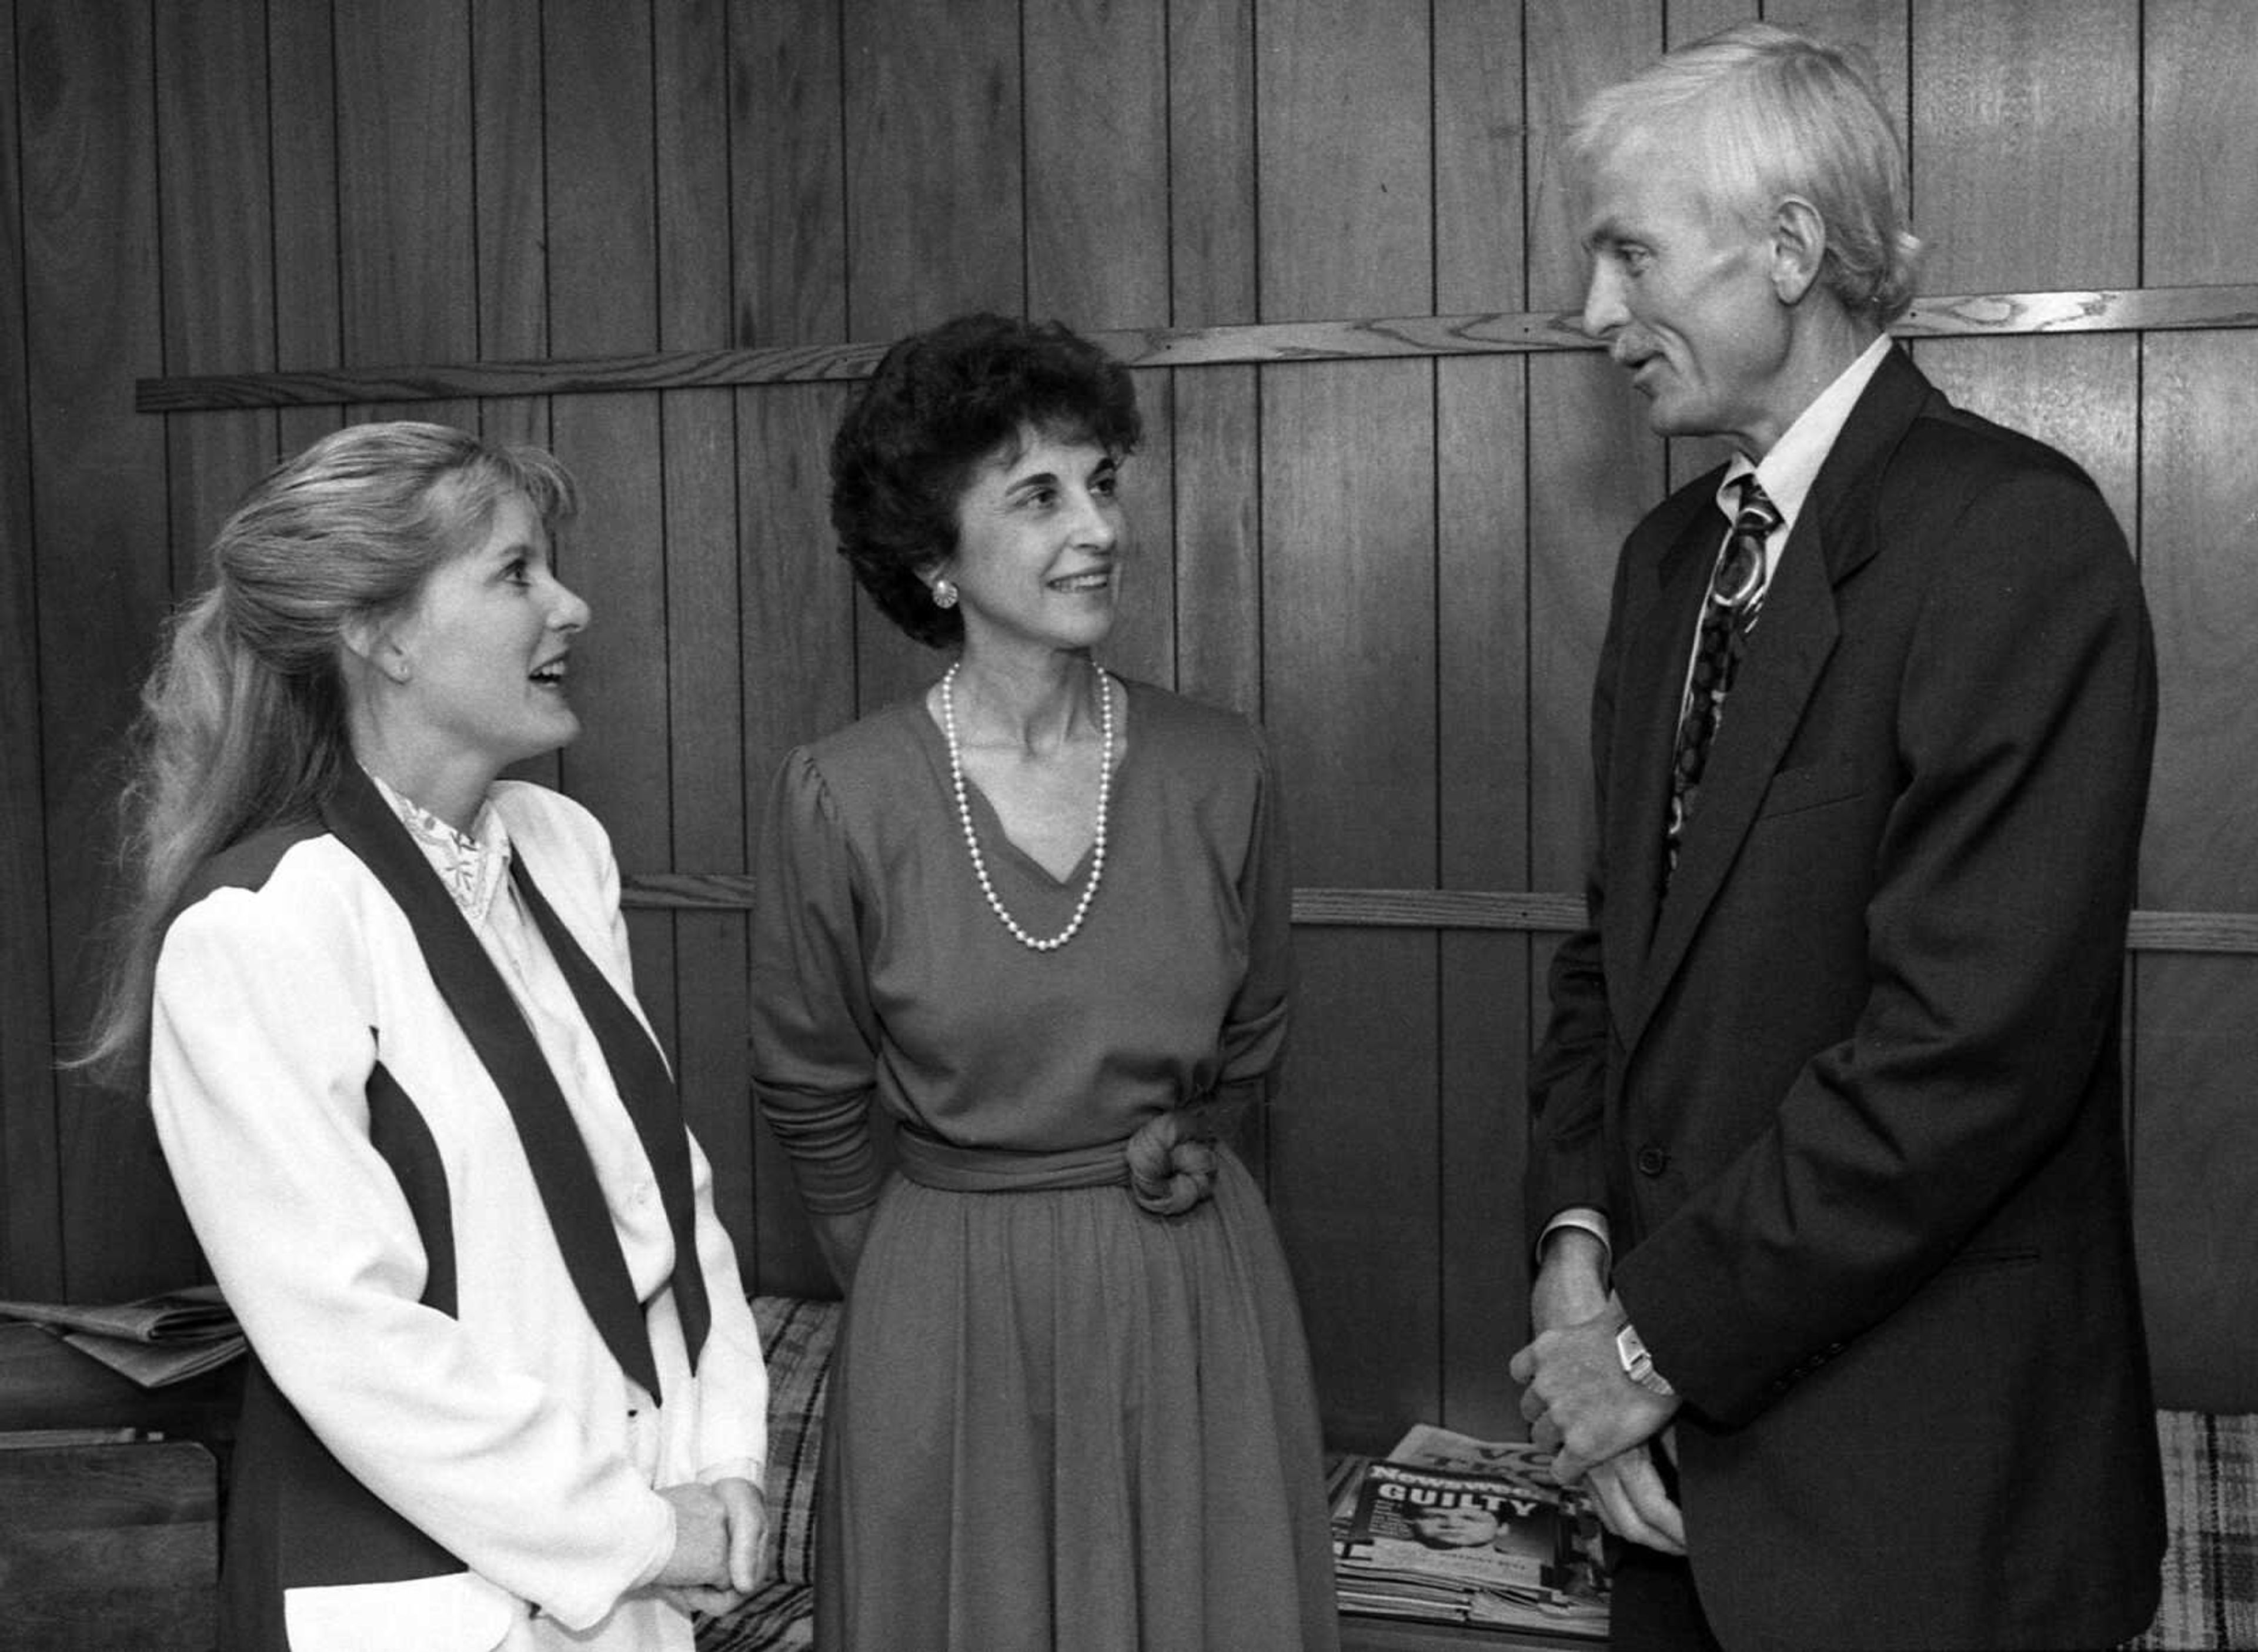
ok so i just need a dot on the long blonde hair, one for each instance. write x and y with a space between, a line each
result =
242 723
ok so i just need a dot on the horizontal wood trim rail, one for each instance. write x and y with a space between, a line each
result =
2142 309
1455 908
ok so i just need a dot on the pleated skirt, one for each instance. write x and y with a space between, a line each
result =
1057 1421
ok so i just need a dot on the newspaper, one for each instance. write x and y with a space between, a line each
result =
1419 1535
156 1340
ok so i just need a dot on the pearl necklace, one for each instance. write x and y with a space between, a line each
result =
972 838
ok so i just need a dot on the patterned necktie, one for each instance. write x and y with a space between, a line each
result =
1728 612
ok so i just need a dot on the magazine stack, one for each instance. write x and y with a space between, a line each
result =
1451 1530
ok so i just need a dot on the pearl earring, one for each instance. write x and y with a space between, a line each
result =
944 594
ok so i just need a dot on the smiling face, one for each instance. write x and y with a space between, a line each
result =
479 656
1683 293
1039 546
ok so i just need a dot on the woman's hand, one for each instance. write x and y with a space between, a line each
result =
839 1234
701 1539
721 1545
746 1511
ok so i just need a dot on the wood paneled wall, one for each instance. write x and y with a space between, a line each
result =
1399 563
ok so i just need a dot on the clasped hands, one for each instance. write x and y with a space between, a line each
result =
721 1544
1593 1419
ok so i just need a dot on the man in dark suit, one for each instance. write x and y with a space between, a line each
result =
1836 1300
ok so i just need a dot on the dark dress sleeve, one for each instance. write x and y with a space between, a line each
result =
1254 1027
815 1036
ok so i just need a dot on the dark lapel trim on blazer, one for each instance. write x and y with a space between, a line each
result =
1833 534
639 1071
490 1019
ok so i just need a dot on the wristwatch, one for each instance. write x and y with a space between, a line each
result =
1637 1363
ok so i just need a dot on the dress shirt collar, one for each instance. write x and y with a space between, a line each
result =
473 865
1786 472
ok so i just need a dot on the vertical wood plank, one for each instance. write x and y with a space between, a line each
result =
796 620
2196 1053
2026 157
1482 733
935 196
704 704
787 153
87 120
1213 197
30 1230
1348 518
511 166
1143 642
215 255
1097 118
1217 506
1214 411
302 115
407 241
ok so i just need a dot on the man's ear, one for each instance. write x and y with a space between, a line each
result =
1798 247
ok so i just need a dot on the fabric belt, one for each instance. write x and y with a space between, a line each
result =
931 1162
1169 1164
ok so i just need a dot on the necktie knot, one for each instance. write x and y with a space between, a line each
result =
1735 587
1739 577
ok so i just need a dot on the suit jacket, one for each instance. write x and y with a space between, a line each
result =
439 1428
1850 1093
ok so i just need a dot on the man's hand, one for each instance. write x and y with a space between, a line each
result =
1584 1409
1572 1285
1632 1503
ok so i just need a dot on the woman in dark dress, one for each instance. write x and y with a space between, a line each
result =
1039 914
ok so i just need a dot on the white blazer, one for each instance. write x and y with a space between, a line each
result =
504 1431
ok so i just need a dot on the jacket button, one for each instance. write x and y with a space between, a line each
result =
1652 1161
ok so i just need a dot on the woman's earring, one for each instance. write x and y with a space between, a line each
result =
944 594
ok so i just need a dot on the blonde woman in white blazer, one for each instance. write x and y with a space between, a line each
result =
506 1391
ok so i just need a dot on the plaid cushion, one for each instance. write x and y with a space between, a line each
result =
796 1339
2210 1502
777 1617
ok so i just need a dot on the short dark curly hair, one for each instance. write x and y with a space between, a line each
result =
939 403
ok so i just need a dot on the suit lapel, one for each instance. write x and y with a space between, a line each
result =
1786 652
482 1006
1657 636
1833 534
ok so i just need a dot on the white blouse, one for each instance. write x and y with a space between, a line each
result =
475 868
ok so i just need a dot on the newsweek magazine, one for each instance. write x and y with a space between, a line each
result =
1417 1535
